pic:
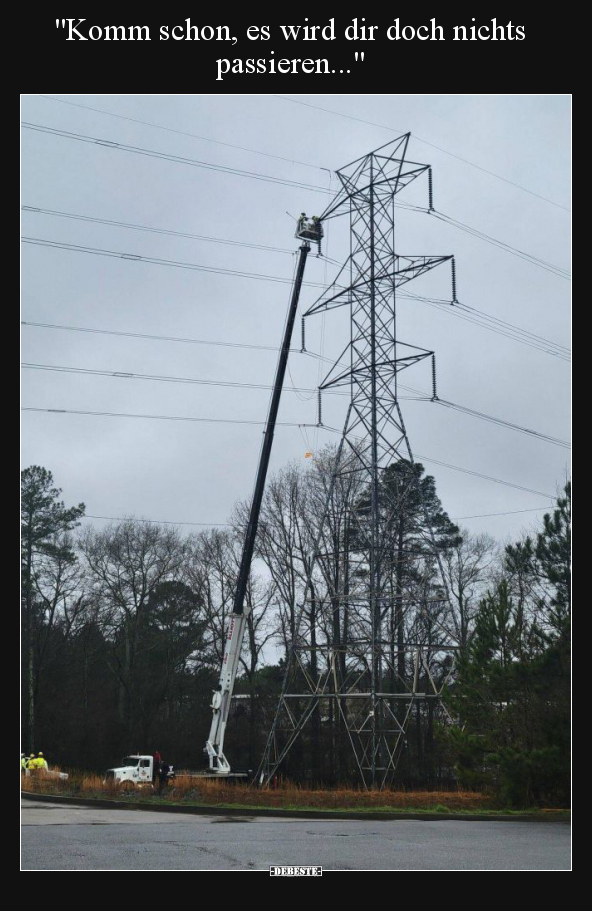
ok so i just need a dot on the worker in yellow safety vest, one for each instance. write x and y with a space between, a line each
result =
41 762
23 763
31 762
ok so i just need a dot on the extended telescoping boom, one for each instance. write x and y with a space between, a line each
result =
307 230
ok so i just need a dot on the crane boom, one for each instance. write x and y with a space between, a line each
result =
218 763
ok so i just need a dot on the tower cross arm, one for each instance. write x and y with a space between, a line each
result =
406 269
355 190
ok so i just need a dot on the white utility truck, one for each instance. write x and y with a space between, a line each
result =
135 771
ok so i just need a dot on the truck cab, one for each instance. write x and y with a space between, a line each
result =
136 769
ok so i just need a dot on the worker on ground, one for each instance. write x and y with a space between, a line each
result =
157 759
23 763
163 776
42 762
31 765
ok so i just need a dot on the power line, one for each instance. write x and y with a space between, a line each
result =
107 143
157 261
493 324
152 338
423 396
485 321
296 161
468 471
383 126
525 332
210 342
535 260
560 271
166 417
165 156
479 318
125 374
485 477
473 316
163 521
508 248
503 423
497 324
441 304
151 230
157 126
513 512
420 395
472 412
485 515
162 417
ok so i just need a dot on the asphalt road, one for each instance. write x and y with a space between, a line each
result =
57 837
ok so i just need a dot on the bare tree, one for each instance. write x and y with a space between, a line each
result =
126 563
469 567
284 544
211 573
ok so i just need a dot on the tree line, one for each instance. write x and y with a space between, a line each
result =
123 632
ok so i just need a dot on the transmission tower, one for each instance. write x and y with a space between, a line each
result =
396 652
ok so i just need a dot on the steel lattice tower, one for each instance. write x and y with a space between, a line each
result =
348 680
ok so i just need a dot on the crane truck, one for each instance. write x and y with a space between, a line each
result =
308 230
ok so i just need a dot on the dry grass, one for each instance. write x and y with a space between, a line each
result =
204 791
290 795
40 782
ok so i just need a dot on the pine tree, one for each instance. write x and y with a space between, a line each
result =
553 554
511 693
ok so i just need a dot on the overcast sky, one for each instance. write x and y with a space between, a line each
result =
194 472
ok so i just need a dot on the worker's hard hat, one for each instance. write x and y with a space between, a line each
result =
40 754
32 756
